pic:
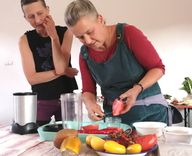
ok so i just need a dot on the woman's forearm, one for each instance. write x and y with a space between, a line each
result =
151 77
41 77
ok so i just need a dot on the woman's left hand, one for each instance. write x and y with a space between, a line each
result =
130 96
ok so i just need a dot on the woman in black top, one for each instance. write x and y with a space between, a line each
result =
45 54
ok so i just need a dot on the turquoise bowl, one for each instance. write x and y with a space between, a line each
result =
50 136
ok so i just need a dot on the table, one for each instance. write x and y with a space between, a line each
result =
23 145
30 145
186 109
174 149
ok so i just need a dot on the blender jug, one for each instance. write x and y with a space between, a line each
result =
25 112
71 109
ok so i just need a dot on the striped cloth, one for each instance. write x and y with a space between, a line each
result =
12 144
24 145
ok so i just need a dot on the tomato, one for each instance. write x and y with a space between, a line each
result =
90 127
146 141
118 106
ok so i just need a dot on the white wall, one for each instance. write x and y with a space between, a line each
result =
167 23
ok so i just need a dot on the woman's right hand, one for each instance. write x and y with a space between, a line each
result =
49 25
95 112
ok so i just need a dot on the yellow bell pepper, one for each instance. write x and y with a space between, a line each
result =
114 147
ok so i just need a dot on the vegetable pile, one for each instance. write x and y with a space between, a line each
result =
118 141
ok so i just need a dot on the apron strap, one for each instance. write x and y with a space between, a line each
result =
84 52
119 31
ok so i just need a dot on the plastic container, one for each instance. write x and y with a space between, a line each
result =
71 108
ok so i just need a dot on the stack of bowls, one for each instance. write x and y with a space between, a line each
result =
178 134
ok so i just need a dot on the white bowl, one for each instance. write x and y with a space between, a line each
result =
149 127
178 134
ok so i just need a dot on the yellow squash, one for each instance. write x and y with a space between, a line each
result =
88 139
114 147
134 148
71 143
97 143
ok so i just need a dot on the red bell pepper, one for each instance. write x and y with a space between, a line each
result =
117 107
90 127
101 131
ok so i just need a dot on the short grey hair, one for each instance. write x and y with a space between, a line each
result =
77 9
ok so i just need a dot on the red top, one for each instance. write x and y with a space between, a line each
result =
138 44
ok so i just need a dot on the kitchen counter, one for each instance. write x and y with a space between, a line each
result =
23 145
175 149
30 145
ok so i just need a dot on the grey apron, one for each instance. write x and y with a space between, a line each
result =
118 74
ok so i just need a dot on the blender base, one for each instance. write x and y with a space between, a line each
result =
25 129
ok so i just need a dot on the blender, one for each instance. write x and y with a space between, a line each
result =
25 112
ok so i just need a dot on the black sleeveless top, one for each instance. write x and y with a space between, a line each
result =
42 54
